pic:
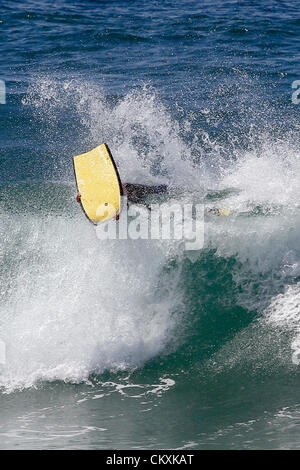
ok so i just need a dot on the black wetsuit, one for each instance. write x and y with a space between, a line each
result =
136 192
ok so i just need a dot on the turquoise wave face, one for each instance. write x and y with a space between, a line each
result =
139 344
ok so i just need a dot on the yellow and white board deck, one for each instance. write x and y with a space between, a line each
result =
98 184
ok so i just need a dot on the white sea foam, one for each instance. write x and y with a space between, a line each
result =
77 305
284 312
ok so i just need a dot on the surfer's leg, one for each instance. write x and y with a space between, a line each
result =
159 189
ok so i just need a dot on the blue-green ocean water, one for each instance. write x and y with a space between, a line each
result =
134 344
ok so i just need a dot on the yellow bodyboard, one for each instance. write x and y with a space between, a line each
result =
98 184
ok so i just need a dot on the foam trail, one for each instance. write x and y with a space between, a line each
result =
284 313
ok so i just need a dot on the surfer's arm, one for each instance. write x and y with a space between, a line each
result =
78 197
125 192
